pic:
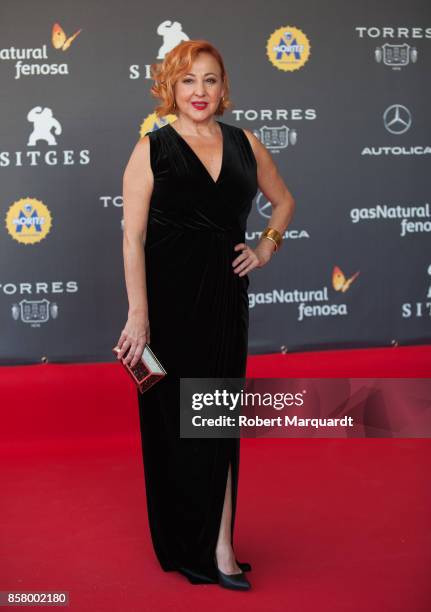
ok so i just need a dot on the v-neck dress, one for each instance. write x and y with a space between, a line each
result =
198 315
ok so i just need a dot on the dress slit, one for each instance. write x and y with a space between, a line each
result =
232 463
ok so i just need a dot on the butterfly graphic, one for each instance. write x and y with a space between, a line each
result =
339 281
59 38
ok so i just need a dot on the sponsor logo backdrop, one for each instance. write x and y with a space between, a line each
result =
339 95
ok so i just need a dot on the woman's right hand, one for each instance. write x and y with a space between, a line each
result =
136 334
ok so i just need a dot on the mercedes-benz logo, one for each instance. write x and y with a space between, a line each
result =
397 119
263 206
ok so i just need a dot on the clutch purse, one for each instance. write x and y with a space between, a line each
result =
147 371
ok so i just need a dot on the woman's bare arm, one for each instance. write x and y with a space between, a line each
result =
283 206
272 186
138 184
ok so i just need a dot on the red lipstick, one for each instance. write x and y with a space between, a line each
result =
199 105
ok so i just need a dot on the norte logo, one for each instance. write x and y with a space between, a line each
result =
28 220
288 48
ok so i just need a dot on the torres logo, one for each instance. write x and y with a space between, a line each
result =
396 54
28 220
288 48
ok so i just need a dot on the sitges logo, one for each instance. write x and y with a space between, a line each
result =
35 61
44 133
421 308
171 33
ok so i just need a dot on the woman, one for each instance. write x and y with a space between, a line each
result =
187 191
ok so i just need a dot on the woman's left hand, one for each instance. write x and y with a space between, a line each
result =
252 258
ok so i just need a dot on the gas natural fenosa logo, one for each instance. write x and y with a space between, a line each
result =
311 303
340 282
60 40
34 61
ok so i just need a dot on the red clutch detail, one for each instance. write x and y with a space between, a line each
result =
147 371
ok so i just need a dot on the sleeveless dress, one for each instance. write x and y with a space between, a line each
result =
198 315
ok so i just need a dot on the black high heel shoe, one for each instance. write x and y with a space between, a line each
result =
246 567
236 582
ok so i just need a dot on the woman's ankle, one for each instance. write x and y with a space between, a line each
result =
224 548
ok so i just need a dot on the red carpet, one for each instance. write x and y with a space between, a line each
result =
328 525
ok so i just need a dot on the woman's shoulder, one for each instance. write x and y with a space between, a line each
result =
157 131
243 135
160 138
162 133
238 131
231 127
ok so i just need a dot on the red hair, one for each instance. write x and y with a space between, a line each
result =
176 63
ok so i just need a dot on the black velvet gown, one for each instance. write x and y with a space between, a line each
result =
198 314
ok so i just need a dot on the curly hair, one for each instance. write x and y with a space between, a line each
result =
176 63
